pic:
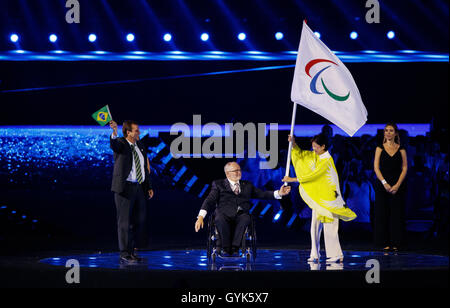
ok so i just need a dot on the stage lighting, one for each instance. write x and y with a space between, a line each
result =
264 211
204 37
167 37
391 35
130 37
14 38
354 35
53 38
291 221
92 37
279 36
317 34
277 215
242 36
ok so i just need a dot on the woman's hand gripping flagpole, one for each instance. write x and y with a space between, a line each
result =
288 159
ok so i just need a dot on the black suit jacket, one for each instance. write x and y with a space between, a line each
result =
227 202
123 160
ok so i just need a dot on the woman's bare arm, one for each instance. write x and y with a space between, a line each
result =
402 176
376 168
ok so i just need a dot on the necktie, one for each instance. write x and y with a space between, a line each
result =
137 163
236 188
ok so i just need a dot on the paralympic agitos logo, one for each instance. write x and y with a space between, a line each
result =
313 83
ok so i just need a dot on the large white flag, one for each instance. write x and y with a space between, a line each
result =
324 85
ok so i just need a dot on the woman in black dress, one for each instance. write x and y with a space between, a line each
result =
390 166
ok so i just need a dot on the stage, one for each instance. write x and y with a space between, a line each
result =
272 268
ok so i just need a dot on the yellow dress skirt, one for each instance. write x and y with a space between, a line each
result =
319 185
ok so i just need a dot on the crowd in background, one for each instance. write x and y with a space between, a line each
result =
66 161
427 181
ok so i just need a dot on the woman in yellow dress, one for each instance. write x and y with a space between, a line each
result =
319 188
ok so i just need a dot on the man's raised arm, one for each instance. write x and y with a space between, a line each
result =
115 144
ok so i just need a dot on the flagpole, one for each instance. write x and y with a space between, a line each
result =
288 159
107 107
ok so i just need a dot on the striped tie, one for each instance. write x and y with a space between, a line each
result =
137 163
236 188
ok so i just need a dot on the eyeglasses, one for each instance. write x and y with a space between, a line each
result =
237 170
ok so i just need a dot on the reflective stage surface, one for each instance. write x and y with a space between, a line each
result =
266 260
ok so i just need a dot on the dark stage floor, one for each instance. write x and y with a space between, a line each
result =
188 268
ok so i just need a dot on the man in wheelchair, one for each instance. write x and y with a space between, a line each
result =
231 196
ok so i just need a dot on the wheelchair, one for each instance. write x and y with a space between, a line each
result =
248 243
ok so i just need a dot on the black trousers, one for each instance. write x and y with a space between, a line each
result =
231 228
131 209
389 217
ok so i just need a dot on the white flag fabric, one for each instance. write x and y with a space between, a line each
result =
324 85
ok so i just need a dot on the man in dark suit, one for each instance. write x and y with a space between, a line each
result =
131 185
231 197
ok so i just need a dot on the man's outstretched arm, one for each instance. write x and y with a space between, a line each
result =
211 200
277 194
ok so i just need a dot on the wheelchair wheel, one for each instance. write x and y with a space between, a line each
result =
248 257
209 243
209 255
253 242
244 242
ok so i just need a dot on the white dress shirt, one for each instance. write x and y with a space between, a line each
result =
132 177
233 186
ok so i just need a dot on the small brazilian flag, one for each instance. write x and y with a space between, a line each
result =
102 116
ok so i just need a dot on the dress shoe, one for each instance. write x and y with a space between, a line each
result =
235 251
136 258
224 252
313 259
127 259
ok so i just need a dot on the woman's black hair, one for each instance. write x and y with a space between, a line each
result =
321 140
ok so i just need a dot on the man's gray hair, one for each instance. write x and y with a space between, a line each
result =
228 165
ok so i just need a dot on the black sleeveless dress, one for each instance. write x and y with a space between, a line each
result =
389 208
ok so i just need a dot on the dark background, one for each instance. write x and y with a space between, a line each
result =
419 24
400 92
